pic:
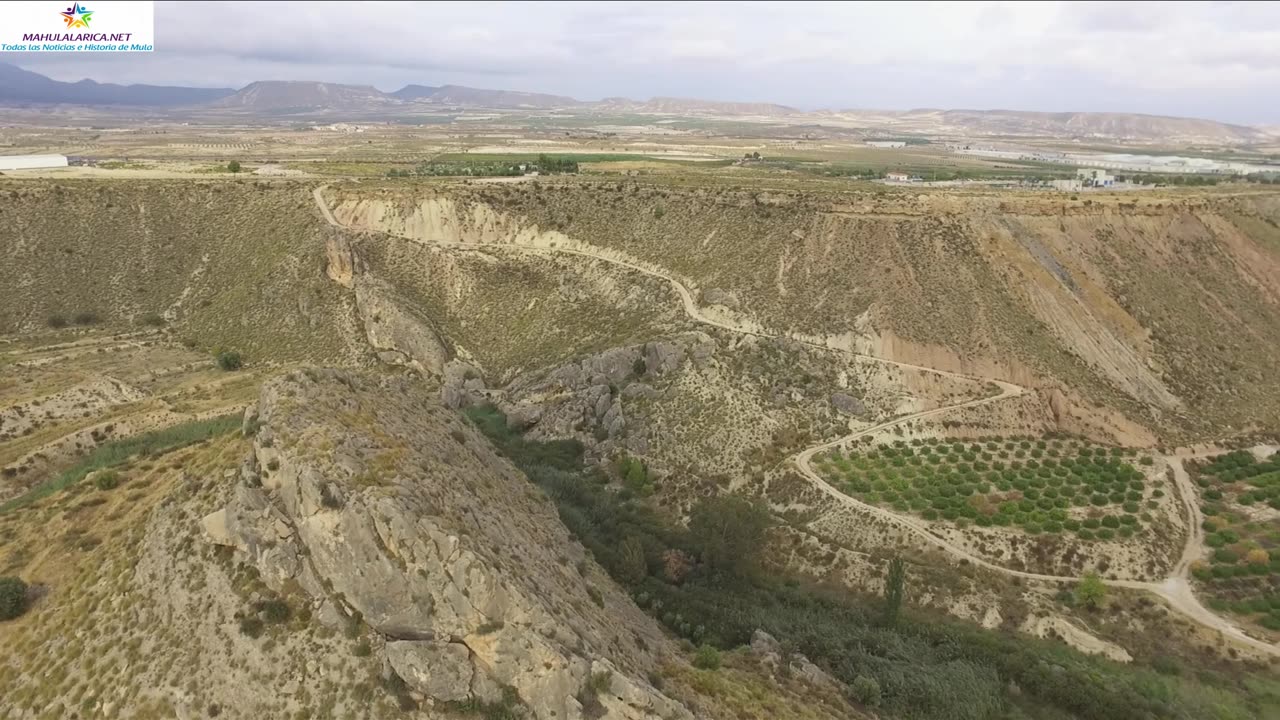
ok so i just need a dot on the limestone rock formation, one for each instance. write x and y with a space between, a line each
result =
780 660
398 334
591 395
385 507
340 260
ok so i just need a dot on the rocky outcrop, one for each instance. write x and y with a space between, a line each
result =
399 334
387 508
461 384
440 670
848 404
340 260
590 395
783 660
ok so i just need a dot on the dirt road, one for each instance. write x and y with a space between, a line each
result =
1175 590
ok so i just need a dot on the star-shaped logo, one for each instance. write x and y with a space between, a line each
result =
77 17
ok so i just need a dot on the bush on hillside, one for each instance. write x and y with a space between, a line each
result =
707 658
230 360
107 480
13 597
56 321
1090 592
866 690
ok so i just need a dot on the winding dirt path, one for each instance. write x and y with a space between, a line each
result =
1175 589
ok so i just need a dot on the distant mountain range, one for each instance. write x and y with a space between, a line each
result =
302 96
1135 126
20 87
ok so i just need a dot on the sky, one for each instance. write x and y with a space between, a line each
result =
1211 60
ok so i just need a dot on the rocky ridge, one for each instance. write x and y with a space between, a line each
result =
386 508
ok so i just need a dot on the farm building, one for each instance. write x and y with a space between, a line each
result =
1094 177
897 177
28 162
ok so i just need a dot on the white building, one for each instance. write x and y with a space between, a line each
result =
886 143
29 162
897 177
1094 177
1066 185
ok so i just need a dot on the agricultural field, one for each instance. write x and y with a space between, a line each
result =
1240 499
1038 486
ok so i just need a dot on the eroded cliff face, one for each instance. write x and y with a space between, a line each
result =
1118 300
386 508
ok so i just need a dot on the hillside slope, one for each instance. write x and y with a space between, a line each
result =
234 265
362 550
1164 309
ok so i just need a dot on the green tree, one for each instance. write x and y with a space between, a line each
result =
728 531
1090 592
633 566
13 597
233 166
636 475
895 581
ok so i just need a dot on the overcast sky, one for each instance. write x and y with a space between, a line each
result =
1217 60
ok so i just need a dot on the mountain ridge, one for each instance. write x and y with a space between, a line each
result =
20 87
23 86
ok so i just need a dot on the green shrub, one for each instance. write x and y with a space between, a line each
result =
707 658
56 321
107 480
866 690
251 626
230 360
362 649
13 597
233 166
1090 592
274 611
151 320
85 318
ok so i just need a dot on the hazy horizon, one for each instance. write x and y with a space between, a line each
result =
1218 61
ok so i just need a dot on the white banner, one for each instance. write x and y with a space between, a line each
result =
73 26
